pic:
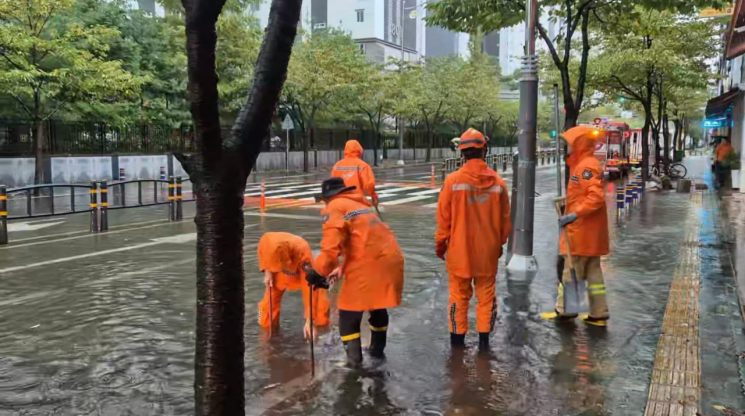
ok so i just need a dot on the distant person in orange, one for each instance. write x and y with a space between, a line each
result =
473 223
585 222
373 270
286 259
722 152
356 172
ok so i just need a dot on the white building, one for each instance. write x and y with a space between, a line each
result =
374 24
148 6
728 107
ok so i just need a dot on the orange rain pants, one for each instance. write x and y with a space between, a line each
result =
461 292
320 302
284 255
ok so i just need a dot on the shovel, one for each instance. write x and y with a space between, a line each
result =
575 292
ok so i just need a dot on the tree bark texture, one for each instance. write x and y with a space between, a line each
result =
219 170
666 137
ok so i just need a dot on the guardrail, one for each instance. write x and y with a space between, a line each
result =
99 204
500 161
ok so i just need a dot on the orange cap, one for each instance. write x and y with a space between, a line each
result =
472 138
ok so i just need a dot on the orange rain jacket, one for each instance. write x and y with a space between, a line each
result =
285 254
722 150
373 263
355 171
473 220
585 197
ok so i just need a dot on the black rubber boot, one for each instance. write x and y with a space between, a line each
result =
457 340
484 341
565 318
377 343
354 353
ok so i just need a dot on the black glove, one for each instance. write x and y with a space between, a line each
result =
316 281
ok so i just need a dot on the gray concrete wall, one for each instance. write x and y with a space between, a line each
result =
80 169
142 167
15 172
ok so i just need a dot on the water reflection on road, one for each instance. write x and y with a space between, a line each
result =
114 335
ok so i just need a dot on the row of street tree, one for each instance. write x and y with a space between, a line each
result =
101 61
652 57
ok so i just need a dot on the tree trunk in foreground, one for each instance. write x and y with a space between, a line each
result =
219 170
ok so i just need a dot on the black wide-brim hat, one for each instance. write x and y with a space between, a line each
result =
332 187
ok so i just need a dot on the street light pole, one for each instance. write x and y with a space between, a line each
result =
400 119
558 141
522 259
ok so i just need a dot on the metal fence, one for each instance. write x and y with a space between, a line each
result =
91 138
97 198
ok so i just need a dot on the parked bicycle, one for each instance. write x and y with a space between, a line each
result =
674 171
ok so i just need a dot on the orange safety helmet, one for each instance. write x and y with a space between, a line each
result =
472 138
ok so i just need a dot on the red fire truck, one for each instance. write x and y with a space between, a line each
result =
614 152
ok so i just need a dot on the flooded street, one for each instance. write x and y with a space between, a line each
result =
104 324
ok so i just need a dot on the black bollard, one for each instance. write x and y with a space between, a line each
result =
179 212
94 207
3 215
105 206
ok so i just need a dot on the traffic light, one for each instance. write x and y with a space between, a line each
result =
553 133
621 100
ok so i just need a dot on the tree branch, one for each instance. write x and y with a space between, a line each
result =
63 102
270 73
23 105
550 44
583 62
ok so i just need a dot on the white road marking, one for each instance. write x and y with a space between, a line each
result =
30 226
273 191
174 239
431 205
275 215
405 200
314 191
427 192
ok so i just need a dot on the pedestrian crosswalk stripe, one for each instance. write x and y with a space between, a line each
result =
406 200
311 192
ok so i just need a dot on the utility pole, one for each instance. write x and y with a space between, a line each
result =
401 67
523 259
558 141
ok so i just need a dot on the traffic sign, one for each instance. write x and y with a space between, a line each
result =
287 124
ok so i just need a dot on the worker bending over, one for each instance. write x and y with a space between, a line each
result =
356 172
373 267
473 223
286 260
585 222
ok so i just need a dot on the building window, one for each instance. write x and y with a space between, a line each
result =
360 15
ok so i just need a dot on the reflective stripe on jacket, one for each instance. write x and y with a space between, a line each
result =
373 264
355 171
586 198
473 220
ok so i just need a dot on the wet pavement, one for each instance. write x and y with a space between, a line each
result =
104 324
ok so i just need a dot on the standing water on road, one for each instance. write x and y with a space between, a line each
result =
113 333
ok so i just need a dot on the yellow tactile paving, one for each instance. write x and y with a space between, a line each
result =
676 377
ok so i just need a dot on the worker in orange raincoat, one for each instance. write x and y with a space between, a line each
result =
473 223
585 222
356 172
373 267
285 260
724 148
